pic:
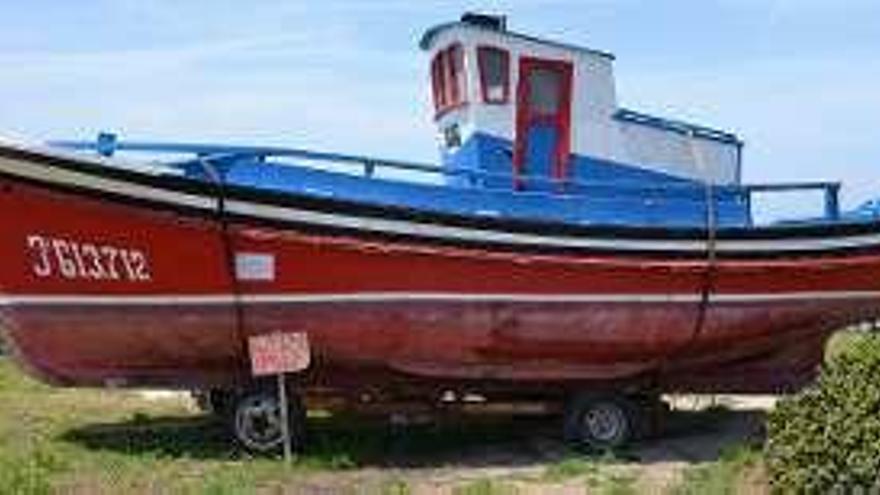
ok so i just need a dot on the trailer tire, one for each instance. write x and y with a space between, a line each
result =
255 421
600 422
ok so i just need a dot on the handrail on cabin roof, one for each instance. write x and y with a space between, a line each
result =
685 128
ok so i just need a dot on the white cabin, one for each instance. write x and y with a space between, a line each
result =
512 104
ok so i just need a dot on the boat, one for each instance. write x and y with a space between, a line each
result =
565 248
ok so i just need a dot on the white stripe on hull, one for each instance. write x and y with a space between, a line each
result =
391 297
62 176
453 233
467 234
403 227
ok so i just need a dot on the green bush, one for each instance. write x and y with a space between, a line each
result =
827 438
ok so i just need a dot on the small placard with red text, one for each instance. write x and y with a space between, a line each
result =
277 353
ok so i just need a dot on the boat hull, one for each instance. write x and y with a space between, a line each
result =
104 286
185 346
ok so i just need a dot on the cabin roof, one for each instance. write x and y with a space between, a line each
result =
429 36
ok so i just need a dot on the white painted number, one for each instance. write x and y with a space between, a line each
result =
39 249
53 257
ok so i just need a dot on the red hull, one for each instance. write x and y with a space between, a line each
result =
181 316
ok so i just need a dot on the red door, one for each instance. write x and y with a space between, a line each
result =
543 123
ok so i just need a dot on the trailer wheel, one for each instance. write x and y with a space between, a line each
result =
256 421
600 422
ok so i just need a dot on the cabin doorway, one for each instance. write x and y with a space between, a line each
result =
543 124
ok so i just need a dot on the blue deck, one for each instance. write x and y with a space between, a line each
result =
590 204
638 200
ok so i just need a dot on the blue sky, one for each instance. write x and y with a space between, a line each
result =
799 80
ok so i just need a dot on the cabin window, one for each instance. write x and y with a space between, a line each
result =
437 83
448 78
494 74
545 91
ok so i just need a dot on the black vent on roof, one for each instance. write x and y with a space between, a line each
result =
493 22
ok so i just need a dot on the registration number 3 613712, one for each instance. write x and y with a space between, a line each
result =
53 257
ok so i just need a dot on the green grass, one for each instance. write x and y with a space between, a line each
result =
486 486
116 441
595 473
97 441
574 467
723 477
93 440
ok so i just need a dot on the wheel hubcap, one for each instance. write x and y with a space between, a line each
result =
258 422
605 423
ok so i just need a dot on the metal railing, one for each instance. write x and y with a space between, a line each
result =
108 145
